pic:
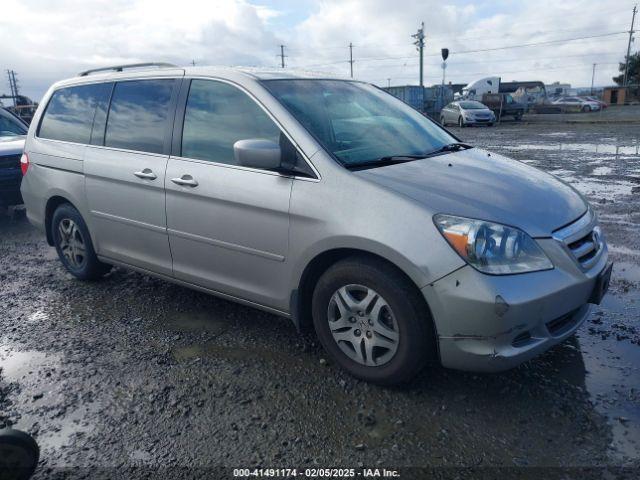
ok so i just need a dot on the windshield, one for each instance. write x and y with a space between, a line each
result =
472 106
10 127
358 123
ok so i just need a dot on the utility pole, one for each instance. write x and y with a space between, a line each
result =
282 55
351 57
419 43
593 74
626 62
13 86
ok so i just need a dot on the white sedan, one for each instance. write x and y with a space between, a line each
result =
577 104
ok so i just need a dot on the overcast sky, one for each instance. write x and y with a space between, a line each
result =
47 40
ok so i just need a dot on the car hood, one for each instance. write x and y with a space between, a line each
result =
12 145
477 184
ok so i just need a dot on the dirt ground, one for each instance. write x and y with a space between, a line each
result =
134 371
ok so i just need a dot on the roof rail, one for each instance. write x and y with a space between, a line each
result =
120 68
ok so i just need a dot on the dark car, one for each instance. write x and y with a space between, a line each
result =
503 104
12 136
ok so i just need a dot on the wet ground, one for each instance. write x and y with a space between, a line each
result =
134 371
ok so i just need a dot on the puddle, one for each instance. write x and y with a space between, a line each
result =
623 250
602 171
194 352
627 271
613 372
23 365
37 316
43 407
557 134
599 188
580 147
194 322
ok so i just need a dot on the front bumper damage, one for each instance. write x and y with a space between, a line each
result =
493 323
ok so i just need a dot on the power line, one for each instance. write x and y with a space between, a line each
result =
463 52
476 74
535 44
514 59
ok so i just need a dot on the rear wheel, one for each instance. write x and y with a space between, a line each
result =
442 122
461 122
372 321
586 108
73 244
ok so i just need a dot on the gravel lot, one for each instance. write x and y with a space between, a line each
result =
135 371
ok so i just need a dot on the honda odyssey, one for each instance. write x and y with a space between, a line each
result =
324 200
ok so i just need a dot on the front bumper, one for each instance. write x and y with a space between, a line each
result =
479 121
493 323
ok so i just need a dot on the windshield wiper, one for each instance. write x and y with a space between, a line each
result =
388 160
449 147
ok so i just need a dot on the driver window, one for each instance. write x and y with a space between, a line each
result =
217 115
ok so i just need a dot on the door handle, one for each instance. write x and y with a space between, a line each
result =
146 173
186 180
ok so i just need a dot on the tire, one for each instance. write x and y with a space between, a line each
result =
73 244
396 310
490 124
442 122
518 117
461 122
586 108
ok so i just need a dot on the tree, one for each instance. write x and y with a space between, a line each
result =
633 77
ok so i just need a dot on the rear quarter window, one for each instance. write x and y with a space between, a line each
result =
70 112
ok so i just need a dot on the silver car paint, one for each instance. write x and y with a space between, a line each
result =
249 235
492 187
451 115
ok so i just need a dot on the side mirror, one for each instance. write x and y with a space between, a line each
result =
257 153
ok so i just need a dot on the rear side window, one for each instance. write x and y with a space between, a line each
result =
69 114
10 126
218 115
138 115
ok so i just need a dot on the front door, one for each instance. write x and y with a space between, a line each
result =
228 225
125 177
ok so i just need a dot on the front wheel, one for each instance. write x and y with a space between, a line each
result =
372 321
73 244
442 122
586 108
461 122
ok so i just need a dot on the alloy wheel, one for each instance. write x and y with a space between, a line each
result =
363 325
72 243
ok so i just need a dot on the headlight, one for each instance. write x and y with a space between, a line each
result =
491 247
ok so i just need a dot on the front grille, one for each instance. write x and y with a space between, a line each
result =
582 239
586 248
561 324
10 161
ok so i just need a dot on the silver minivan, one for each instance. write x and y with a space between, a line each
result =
324 200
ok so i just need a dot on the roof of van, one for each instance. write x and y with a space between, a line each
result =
253 72
230 73
262 73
